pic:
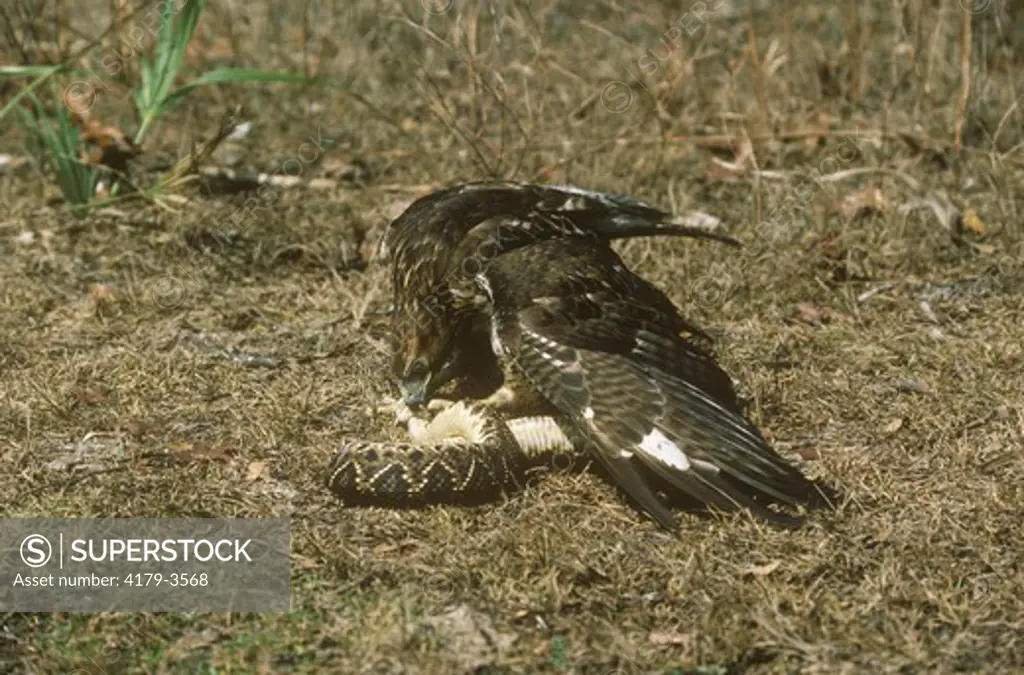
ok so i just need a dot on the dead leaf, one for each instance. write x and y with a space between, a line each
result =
303 563
862 202
743 163
907 384
106 145
204 451
256 471
762 570
471 636
138 427
104 291
385 548
665 639
809 452
816 317
939 204
809 313
745 153
720 170
929 314
871 292
90 395
10 162
893 426
972 222
190 643
105 298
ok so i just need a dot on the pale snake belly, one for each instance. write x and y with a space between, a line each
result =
469 453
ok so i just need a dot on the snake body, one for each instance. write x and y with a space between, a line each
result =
467 454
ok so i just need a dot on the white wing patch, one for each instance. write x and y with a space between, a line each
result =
656 445
573 204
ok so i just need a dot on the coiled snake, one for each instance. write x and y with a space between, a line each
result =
469 453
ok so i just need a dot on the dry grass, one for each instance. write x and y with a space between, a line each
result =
147 365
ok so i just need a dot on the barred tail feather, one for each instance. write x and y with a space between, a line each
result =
689 441
729 462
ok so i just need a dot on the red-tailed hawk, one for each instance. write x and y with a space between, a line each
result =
523 277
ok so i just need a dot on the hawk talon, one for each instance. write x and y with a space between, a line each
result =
388 404
396 406
500 399
436 405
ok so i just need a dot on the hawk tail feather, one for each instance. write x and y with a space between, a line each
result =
505 217
724 460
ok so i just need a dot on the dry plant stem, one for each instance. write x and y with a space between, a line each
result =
728 140
965 77
788 22
853 20
757 177
933 47
915 27
755 61
190 163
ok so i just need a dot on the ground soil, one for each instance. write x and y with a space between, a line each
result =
150 367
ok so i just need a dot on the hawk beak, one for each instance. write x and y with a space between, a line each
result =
415 390
419 389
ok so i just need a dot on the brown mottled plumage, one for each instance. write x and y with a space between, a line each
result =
524 277
606 349
445 239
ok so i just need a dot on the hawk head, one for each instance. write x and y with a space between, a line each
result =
431 349
424 357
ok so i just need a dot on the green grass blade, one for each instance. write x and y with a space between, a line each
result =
59 138
184 29
157 75
27 71
41 73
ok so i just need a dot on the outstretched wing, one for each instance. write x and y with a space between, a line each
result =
602 346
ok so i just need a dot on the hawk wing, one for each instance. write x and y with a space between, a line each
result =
603 346
437 233
444 240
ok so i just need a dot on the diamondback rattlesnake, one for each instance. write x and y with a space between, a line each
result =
468 453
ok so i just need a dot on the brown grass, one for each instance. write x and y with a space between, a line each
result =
147 364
